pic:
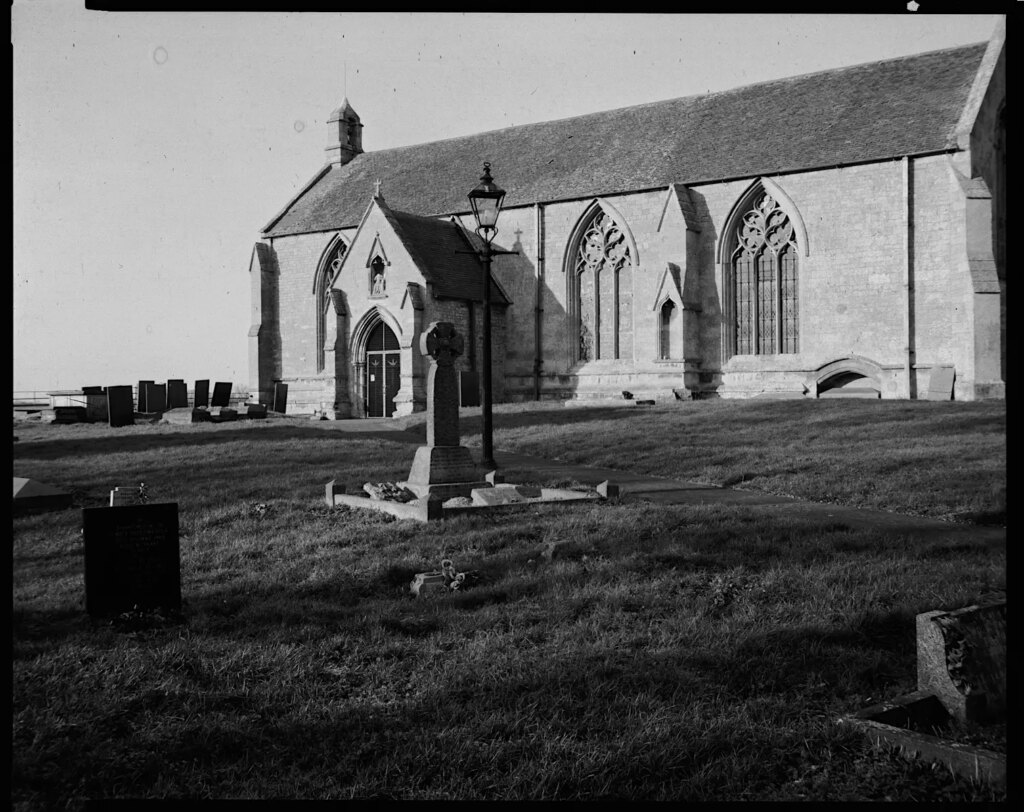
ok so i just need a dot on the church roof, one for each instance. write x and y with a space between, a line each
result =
435 247
875 111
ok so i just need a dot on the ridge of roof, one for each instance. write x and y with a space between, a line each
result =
694 96
872 111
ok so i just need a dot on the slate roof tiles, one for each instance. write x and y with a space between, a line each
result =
876 111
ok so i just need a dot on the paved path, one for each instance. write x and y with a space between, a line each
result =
672 491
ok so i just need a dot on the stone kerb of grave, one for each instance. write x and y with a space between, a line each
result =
443 467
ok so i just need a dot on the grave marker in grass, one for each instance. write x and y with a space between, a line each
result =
131 559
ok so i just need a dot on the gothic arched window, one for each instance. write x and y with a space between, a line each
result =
325 278
764 281
603 268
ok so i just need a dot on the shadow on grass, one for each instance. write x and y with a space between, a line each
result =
59 447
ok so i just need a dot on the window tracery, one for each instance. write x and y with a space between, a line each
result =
602 265
328 273
764 281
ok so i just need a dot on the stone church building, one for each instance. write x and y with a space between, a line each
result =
836 233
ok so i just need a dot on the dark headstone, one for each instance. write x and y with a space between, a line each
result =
177 394
120 406
202 394
156 397
93 390
280 397
221 394
131 559
469 388
96 406
142 395
256 411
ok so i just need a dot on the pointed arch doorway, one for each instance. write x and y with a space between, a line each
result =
383 371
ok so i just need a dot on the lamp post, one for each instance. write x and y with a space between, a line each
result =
486 200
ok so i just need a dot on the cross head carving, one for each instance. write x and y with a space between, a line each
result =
442 343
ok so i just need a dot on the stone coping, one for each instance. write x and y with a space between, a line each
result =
887 724
427 509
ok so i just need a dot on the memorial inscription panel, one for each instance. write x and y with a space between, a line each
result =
131 558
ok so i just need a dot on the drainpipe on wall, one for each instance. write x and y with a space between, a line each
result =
538 310
908 274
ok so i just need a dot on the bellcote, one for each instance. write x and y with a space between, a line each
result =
344 135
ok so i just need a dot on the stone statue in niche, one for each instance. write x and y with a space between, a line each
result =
379 286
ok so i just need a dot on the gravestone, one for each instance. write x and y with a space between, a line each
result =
469 388
131 559
120 406
940 384
142 395
96 404
256 411
119 497
202 394
961 658
156 397
221 394
177 394
442 466
280 397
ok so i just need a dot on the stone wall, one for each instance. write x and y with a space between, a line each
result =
853 273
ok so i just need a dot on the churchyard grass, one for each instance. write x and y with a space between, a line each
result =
672 652
940 459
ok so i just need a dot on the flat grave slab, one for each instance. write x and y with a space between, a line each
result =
31 495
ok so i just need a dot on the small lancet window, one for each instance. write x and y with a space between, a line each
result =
665 335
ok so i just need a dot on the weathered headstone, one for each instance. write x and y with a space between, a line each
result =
221 394
202 394
120 406
96 404
940 384
156 397
280 398
442 466
177 394
131 559
256 411
961 658
142 395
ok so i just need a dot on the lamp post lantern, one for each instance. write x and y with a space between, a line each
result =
486 200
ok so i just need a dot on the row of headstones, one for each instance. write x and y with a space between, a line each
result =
156 398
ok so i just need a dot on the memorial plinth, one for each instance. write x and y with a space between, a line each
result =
442 467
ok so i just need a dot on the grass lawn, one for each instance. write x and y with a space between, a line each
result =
674 653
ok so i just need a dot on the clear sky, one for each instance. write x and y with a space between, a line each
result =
151 148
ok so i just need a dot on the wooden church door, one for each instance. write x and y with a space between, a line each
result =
383 372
